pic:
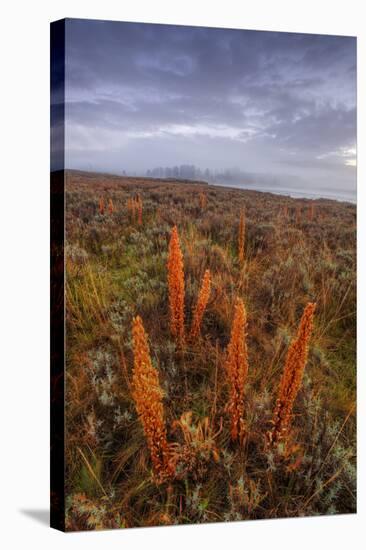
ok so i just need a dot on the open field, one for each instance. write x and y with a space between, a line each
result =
276 254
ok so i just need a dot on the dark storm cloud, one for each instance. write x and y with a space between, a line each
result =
138 96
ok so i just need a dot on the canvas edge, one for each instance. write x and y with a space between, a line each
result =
57 315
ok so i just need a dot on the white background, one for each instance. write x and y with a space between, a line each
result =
24 279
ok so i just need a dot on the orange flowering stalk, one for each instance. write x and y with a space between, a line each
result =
139 209
101 205
201 304
241 237
311 212
110 206
203 200
176 287
298 214
291 377
237 369
147 395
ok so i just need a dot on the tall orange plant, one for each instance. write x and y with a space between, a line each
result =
311 212
201 304
147 395
139 209
298 214
203 200
176 287
291 377
237 369
101 205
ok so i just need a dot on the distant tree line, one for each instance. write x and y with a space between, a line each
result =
192 172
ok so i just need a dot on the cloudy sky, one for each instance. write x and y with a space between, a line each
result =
279 104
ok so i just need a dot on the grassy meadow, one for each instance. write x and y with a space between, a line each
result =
274 253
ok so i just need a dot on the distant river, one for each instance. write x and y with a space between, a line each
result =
337 194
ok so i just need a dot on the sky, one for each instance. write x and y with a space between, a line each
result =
281 106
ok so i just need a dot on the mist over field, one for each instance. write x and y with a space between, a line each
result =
281 106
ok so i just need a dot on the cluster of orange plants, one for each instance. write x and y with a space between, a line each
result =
176 287
147 393
135 207
102 206
284 213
